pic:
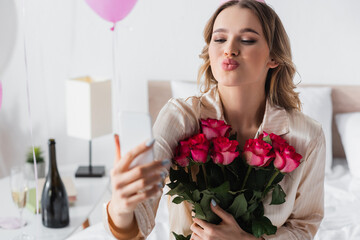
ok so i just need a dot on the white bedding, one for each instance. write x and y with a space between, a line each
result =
342 205
342 211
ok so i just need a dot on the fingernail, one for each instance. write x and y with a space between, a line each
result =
150 142
160 185
163 175
213 203
165 162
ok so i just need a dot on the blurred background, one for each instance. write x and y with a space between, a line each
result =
158 40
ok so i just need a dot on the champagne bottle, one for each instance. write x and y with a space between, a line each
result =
54 200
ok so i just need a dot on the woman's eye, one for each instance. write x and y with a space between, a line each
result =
248 42
219 40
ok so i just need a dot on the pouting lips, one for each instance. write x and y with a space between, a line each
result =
229 64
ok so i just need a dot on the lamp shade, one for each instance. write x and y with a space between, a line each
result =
88 107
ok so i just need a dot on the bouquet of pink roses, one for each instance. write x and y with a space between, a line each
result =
210 165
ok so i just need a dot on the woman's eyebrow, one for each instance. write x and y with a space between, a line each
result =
244 30
248 30
220 30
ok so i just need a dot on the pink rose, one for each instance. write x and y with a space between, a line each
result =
287 159
199 148
224 150
213 128
182 154
258 153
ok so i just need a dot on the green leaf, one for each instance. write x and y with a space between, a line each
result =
205 205
239 206
199 213
259 211
181 237
222 193
278 195
222 189
262 226
177 190
172 185
178 200
196 195
267 139
252 207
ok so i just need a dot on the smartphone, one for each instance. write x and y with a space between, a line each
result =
135 128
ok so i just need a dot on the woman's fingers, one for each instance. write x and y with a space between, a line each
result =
123 165
117 148
142 196
141 185
120 180
197 231
226 217
144 175
194 236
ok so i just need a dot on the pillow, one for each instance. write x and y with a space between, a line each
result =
349 129
184 89
317 104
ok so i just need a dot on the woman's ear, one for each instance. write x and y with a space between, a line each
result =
272 63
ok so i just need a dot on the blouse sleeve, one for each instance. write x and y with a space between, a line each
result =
175 121
308 210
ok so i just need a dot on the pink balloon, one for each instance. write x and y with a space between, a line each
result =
0 94
112 10
223 1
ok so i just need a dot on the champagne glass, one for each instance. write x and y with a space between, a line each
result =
19 190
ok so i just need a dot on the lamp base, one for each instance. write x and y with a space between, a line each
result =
90 171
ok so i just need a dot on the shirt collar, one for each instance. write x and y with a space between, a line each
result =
276 120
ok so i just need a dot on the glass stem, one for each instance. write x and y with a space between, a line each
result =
21 216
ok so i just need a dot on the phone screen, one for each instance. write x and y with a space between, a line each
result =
134 129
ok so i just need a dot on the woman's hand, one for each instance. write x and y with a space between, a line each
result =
228 229
133 186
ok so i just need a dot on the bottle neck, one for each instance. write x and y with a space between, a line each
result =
52 160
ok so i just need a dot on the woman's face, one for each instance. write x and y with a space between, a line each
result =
238 50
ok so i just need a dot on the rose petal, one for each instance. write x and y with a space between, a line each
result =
223 130
210 133
218 158
290 165
199 155
279 161
229 157
252 159
183 161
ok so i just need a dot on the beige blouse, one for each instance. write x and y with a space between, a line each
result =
299 217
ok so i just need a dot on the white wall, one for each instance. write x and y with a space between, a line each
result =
160 39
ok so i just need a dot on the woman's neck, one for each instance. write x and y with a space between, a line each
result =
244 108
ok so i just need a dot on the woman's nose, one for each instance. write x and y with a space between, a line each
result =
231 50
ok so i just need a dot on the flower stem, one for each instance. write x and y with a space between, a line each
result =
246 177
223 172
272 179
205 176
189 173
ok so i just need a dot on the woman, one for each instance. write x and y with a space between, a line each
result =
248 83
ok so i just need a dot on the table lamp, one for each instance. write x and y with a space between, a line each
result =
89 115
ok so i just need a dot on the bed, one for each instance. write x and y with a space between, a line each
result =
333 107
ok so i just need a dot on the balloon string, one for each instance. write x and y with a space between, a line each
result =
29 105
1 93
116 81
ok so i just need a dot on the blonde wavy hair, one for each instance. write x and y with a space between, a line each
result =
279 84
